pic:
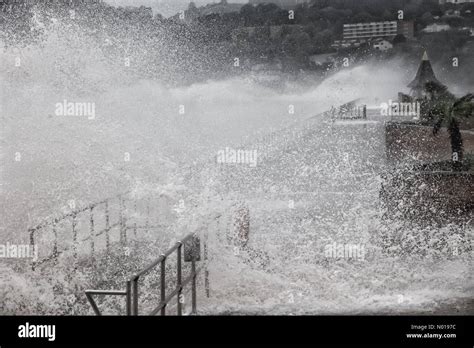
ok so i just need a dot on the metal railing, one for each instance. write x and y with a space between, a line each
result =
348 111
190 247
73 217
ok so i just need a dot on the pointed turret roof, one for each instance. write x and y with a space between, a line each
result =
424 74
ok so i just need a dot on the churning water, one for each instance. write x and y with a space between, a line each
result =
316 184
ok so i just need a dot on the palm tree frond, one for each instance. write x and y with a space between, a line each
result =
447 109
464 107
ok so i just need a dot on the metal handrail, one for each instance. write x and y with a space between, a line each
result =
122 226
132 294
179 283
74 216
163 256
89 294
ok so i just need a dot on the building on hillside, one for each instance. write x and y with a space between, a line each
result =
406 28
370 30
322 60
382 45
424 75
356 34
436 28
470 30
385 30
338 44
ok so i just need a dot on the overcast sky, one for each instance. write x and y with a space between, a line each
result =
166 7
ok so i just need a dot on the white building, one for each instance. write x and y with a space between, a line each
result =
385 29
436 28
320 60
357 34
383 45
470 30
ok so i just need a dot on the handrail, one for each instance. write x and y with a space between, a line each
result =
120 224
74 215
162 256
89 294
173 293
191 246
55 220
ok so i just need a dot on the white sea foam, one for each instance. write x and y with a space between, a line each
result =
83 159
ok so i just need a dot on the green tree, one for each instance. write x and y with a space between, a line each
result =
248 14
427 18
362 17
454 21
447 110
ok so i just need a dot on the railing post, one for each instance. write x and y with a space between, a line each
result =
129 297
121 221
135 295
32 246
74 236
191 254
55 245
193 286
107 226
93 304
147 221
179 285
124 219
92 229
163 285
206 270
135 219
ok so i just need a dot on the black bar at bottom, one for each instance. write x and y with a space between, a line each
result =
290 330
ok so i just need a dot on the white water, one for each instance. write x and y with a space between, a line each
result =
73 158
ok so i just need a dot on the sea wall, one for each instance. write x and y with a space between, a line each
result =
416 143
429 195
423 194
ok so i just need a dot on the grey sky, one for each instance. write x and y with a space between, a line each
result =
166 7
